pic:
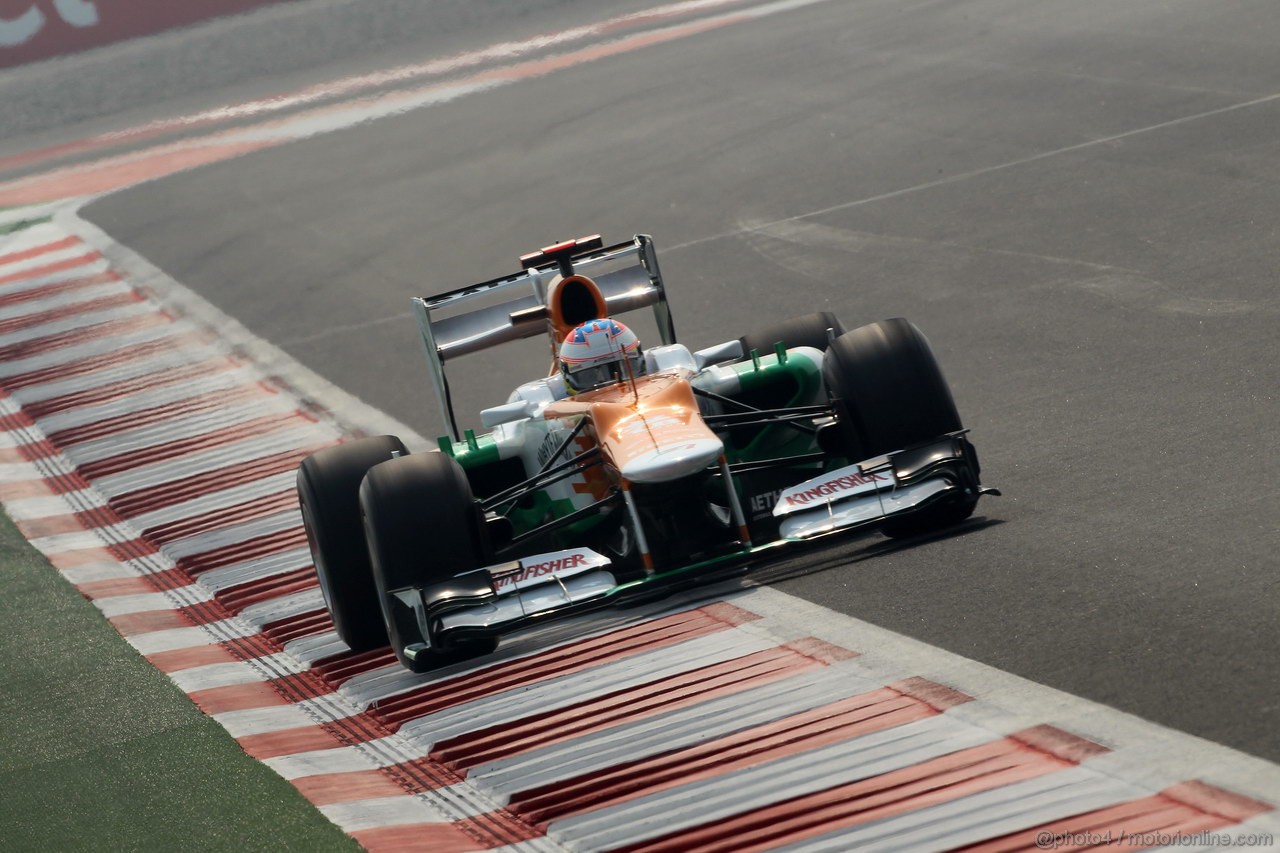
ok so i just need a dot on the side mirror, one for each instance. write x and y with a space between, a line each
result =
507 412
718 354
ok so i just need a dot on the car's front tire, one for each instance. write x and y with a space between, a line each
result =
328 495
889 393
421 526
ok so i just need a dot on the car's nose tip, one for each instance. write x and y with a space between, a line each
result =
663 464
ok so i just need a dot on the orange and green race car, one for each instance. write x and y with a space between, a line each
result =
624 472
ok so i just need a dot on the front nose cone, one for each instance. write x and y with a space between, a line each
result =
663 464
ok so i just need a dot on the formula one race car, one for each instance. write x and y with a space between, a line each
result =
625 472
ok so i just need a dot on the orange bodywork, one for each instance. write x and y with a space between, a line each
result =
656 416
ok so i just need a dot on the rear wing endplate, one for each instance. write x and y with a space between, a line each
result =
627 275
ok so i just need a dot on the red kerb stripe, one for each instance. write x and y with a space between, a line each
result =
291 628
1183 809
633 703
432 837
801 732
960 774
57 288
198 402
239 552
340 668
188 488
84 334
181 447
62 312
28 254
564 660
50 269
214 519
92 364
127 387
244 595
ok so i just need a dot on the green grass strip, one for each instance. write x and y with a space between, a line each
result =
101 751
18 225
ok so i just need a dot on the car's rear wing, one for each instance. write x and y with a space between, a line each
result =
514 307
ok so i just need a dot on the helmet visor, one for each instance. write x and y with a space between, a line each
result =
589 378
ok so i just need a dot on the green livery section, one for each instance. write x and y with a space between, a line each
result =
772 381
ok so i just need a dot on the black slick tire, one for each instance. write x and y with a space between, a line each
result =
329 497
421 526
889 393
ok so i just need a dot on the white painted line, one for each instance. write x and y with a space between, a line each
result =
29 213
315 647
98 572
82 540
144 602
175 639
274 718
344 759
18 472
387 811
216 675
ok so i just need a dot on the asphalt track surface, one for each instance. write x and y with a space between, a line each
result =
1075 201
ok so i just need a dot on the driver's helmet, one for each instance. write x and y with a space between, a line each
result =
596 354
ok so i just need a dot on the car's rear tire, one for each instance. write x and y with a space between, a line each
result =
809 330
421 525
889 393
328 495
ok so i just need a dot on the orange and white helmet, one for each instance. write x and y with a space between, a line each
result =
597 353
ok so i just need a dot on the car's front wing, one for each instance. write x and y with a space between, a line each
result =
500 599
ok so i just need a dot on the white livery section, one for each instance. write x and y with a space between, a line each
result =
663 464
536 584
541 568
537 599
831 487
826 518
